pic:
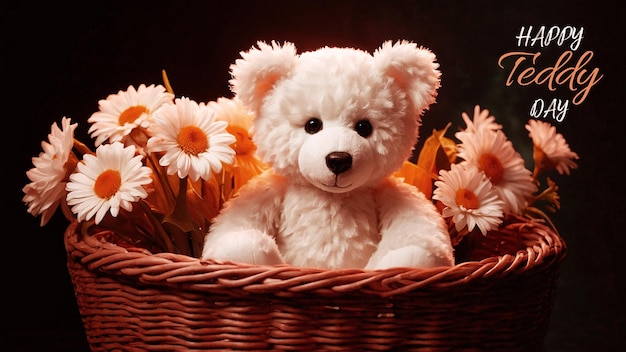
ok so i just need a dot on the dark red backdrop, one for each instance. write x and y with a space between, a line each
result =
58 60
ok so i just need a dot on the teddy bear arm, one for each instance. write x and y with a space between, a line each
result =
413 233
244 229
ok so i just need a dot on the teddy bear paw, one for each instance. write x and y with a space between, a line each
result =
410 256
245 246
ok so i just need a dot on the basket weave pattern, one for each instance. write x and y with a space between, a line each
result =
500 299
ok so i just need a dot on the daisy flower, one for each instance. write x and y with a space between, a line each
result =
239 119
481 121
119 114
195 144
469 198
49 176
493 154
550 150
105 182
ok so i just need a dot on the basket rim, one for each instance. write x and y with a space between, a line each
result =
213 276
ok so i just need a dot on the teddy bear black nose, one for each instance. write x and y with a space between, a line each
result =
338 162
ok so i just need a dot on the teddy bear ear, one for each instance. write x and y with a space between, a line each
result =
258 69
413 68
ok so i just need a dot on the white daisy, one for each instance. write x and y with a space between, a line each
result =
469 198
195 144
481 121
120 113
550 150
493 154
49 176
110 180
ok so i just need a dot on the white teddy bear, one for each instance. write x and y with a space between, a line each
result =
333 124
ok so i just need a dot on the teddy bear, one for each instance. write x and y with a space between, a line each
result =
333 124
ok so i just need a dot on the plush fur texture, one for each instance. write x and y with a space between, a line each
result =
334 124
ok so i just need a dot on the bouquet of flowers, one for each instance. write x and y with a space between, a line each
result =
164 166
481 179
161 170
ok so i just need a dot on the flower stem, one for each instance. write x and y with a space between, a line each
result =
166 82
535 213
158 227
82 147
179 223
180 216
168 192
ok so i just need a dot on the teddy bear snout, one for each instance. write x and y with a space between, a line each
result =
338 162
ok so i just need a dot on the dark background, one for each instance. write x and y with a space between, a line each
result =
58 60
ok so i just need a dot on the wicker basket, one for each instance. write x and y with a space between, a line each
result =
500 299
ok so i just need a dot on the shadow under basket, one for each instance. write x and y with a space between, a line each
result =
498 298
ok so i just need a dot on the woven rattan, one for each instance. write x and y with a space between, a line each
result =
499 299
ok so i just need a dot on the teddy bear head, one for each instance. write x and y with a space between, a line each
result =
336 118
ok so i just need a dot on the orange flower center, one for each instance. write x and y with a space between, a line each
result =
466 198
192 140
107 184
131 114
492 167
243 145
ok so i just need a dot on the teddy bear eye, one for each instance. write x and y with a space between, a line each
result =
363 128
313 125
